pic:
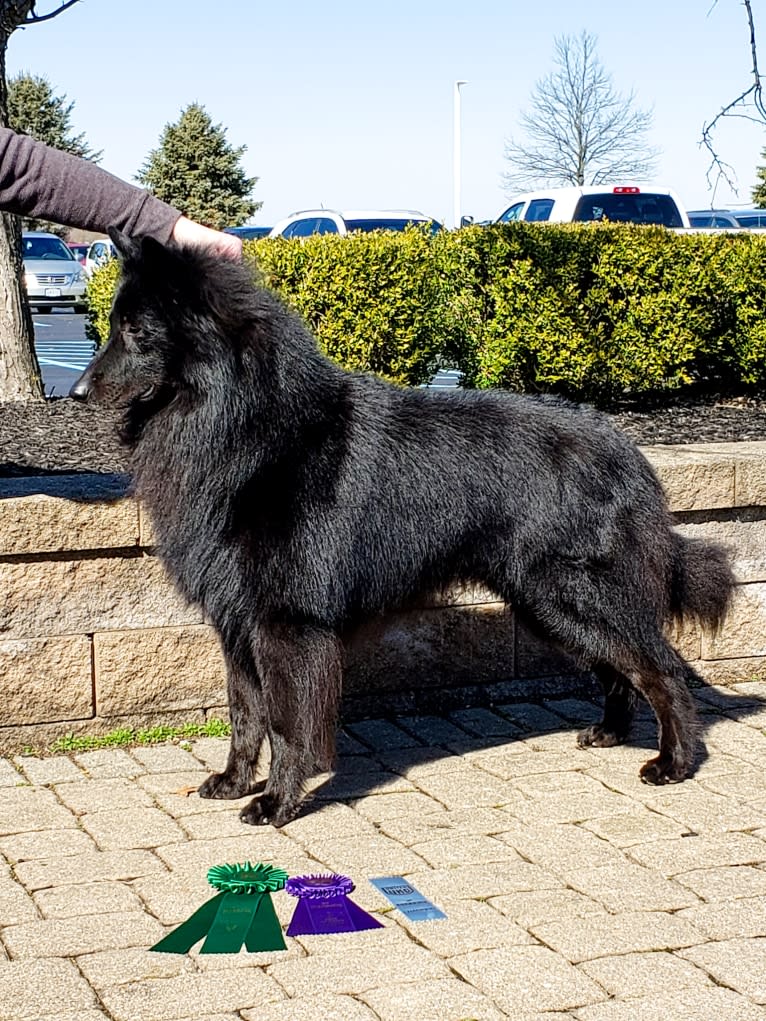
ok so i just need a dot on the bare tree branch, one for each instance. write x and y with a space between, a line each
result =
578 130
33 19
753 97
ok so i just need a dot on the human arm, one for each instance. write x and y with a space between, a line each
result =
39 181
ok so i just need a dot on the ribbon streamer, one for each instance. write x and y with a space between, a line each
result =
407 899
324 906
240 914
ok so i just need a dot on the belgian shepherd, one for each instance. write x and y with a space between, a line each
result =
295 501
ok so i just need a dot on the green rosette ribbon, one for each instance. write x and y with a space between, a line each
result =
240 914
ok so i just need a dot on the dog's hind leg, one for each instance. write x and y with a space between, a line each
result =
600 621
248 729
301 670
620 700
665 685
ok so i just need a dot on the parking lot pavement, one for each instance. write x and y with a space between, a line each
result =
571 890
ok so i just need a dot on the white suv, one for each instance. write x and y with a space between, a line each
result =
620 203
99 253
331 221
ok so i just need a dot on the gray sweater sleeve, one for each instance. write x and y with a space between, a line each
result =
36 180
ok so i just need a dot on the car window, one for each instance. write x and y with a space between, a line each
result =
291 228
512 213
310 225
539 210
750 220
45 248
386 223
645 207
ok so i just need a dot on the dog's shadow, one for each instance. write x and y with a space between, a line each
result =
375 755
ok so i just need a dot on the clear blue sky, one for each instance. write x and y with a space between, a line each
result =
349 104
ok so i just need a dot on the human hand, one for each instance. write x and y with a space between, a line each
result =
189 232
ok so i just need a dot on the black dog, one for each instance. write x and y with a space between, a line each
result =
294 501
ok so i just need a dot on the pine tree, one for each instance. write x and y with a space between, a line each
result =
34 109
197 171
759 191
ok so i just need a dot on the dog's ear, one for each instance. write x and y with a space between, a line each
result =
127 247
153 252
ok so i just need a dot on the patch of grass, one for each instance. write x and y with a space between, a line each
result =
123 737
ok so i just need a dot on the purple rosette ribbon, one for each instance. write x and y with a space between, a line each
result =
324 906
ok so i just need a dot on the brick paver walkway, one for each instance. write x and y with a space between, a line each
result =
571 889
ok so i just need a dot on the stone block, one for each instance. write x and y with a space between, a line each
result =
183 996
140 827
67 937
697 1003
737 963
519 979
536 658
88 868
42 987
64 597
743 633
582 939
25 809
46 679
694 478
749 473
433 648
435 1000
731 672
50 514
743 531
649 974
169 668
357 972
314 1008
673 857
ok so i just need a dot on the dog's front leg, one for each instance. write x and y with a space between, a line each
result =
248 729
300 667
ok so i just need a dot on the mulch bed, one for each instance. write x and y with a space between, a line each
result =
59 435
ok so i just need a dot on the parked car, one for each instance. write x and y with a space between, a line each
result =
99 253
620 203
52 274
248 233
331 221
750 218
79 249
712 218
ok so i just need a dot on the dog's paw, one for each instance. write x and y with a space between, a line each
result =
596 737
268 811
662 770
223 786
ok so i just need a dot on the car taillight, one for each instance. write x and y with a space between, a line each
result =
626 191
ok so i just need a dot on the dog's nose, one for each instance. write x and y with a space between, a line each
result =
80 389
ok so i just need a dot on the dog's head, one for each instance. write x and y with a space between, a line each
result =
162 331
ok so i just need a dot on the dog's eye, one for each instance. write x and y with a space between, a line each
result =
131 335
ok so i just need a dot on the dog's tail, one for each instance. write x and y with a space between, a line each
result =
702 581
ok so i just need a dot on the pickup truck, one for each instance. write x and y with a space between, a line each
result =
620 203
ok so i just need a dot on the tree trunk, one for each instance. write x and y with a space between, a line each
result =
19 371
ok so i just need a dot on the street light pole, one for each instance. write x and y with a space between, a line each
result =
456 154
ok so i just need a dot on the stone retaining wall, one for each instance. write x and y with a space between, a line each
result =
93 636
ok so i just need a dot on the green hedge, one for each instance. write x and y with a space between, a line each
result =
591 311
